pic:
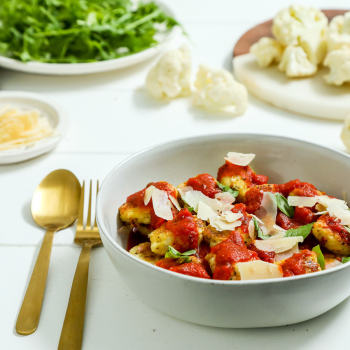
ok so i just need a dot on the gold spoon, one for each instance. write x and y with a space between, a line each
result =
55 206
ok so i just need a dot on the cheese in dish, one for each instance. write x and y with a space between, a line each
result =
237 226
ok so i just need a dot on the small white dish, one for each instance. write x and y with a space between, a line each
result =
93 67
57 118
232 304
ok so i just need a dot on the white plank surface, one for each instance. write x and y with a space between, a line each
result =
111 117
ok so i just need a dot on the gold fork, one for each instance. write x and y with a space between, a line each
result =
73 326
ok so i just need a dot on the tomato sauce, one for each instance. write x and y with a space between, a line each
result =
185 231
303 189
302 216
335 225
241 208
204 183
262 254
167 263
227 254
252 199
191 269
245 172
299 264
203 251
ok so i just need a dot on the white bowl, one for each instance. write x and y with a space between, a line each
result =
54 112
235 304
93 67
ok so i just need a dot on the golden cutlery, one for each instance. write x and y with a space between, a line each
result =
54 207
73 326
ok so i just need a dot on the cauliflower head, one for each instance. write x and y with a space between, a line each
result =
339 32
295 63
267 51
345 133
217 90
339 63
171 77
304 26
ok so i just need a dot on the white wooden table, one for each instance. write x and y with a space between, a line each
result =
111 117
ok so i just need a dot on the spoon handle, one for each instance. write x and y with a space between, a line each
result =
29 315
73 326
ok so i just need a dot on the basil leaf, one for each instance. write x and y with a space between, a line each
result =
258 229
345 259
172 253
302 231
347 228
191 209
320 257
283 205
227 189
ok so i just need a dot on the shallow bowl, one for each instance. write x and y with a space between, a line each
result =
234 304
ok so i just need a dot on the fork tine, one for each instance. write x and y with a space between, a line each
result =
88 222
97 188
81 206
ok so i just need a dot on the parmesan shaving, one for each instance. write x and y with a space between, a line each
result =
205 212
183 190
334 209
257 270
287 254
148 194
226 207
278 245
160 204
251 229
225 198
326 201
297 201
332 263
194 197
239 158
268 212
231 217
175 202
22 128
224 225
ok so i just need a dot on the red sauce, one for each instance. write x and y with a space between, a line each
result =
263 255
245 172
309 242
299 264
191 269
241 208
185 231
135 238
302 216
335 225
203 251
303 189
204 183
236 238
136 200
253 199
167 263
227 254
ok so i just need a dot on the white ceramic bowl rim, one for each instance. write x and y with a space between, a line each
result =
105 232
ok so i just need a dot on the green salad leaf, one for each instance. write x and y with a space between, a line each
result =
320 257
259 231
77 31
345 259
227 189
283 205
172 253
302 231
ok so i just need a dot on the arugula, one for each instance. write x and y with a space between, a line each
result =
227 189
76 31
172 253
259 231
283 205
320 257
345 259
302 231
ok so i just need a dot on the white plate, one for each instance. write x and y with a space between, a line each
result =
309 96
94 67
57 118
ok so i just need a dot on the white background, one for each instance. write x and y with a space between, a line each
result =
111 117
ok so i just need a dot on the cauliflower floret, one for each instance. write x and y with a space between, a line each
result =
339 32
171 76
218 90
267 51
295 63
304 26
345 133
339 63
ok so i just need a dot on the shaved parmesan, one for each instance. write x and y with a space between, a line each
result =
231 217
183 190
160 204
225 197
224 225
205 212
321 213
258 270
194 197
334 209
251 229
267 212
148 194
226 207
257 219
287 254
175 202
278 245
297 201
332 263
239 158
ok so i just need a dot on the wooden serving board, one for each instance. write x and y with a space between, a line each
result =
309 96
